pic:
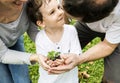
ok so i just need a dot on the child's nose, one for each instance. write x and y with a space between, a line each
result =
61 11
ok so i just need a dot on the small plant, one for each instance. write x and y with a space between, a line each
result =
53 55
54 59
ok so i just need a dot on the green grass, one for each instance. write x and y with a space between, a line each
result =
94 68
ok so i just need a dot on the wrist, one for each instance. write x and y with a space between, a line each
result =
34 58
82 59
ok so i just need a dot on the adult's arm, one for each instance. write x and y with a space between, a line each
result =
98 51
8 56
12 56
102 49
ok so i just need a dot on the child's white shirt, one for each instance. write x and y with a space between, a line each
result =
69 43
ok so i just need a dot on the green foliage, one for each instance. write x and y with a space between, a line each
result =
53 54
33 69
92 43
34 74
29 45
94 69
72 21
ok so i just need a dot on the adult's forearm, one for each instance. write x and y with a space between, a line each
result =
98 51
15 57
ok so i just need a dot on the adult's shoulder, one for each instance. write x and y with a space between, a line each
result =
117 9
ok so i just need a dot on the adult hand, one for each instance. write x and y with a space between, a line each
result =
71 60
42 61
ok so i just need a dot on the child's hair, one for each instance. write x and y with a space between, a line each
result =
33 10
89 10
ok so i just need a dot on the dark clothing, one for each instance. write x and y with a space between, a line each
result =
86 35
111 63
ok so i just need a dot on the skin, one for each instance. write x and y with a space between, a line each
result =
101 50
41 60
15 7
53 27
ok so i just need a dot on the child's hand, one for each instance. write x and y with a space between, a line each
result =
70 60
55 63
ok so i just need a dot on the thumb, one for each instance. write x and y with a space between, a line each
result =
68 60
63 56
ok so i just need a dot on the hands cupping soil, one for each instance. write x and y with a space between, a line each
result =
54 59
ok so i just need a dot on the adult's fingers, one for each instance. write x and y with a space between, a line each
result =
42 62
55 72
61 69
67 58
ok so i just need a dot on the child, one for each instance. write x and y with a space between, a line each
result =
55 35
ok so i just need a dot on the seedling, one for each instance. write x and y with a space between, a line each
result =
53 55
54 59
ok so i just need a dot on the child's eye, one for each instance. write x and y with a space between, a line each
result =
52 12
59 7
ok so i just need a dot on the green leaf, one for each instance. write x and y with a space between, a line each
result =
52 55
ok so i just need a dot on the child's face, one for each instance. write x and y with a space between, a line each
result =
53 14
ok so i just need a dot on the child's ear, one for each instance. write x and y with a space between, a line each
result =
40 23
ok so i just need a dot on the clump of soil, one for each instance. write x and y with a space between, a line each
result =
54 59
